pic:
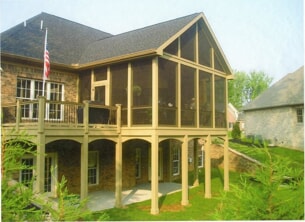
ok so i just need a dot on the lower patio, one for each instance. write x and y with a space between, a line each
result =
101 200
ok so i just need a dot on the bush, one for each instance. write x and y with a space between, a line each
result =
274 192
16 197
236 133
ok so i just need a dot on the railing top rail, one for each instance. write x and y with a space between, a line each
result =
97 105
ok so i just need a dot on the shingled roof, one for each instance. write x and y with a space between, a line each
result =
288 91
148 38
67 40
71 43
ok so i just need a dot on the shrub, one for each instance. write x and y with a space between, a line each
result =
274 192
236 133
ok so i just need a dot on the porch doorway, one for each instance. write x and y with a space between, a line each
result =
50 172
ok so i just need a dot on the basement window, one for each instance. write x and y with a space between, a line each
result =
176 160
300 115
93 167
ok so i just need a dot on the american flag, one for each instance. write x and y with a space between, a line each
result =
46 68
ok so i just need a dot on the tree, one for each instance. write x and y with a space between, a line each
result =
20 203
275 191
246 87
236 133
16 197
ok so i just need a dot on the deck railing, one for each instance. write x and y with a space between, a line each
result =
42 112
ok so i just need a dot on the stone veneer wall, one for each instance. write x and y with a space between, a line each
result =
237 161
278 124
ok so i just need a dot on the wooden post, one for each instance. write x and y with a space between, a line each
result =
85 152
154 175
118 173
40 159
84 167
86 116
195 160
226 164
18 114
155 95
118 117
185 200
207 167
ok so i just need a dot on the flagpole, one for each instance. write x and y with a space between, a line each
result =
44 62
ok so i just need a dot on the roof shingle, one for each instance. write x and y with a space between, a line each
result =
287 91
151 37
66 39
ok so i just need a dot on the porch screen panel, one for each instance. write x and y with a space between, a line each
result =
167 92
188 88
100 74
188 48
205 99
172 48
203 45
220 102
85 85
142 92
119 78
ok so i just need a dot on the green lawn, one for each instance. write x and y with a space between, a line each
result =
295 156
199 208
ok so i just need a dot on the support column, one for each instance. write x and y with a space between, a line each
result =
207 168
185 200
41 149
226 163
154 175
118 173
195 161
84 167
40 163
84 154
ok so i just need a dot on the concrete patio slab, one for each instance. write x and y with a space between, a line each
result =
101 200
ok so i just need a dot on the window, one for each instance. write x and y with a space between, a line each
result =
138 163
26 174
93 167
200 158
176 160
31 89
300 115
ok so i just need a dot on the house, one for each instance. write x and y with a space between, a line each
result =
232 115
116 110
277 115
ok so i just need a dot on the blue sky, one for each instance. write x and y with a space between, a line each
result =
261 35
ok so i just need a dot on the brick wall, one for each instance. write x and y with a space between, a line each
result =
11 71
